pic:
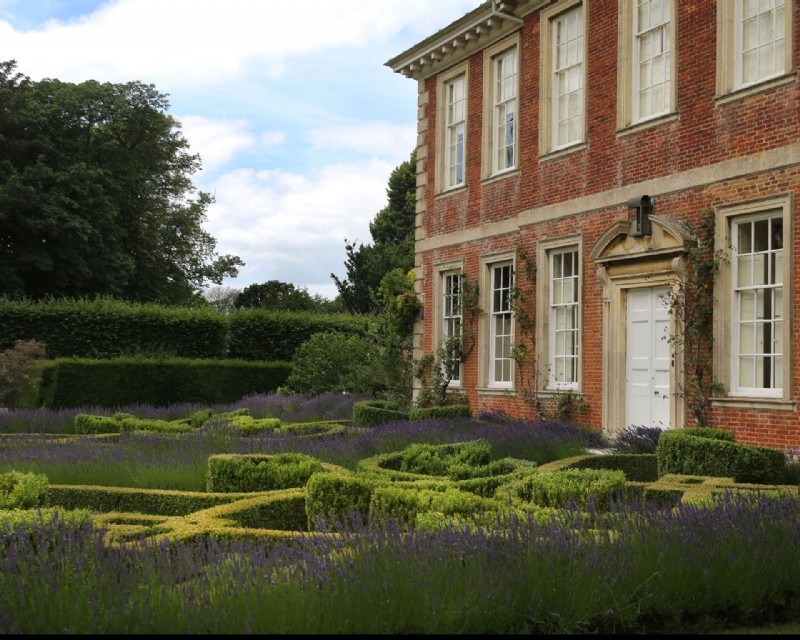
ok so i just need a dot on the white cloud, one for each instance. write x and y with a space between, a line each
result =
207 42
292 227
376 138
217 141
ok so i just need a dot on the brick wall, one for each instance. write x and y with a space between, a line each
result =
704 134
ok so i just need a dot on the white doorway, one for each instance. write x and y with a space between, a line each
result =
648 358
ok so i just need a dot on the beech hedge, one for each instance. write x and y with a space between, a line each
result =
107 328
79 382
257 334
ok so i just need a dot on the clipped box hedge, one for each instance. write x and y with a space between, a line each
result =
637 467
559 488
370 413
233 472
259 334
707 453
440 413
107 328
403 504
76 382
338 497
149 501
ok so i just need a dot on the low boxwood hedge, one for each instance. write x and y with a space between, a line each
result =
707 453
230 472
335 498
370 413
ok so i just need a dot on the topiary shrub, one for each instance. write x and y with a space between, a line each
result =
249 426
437 460
22 490
338 497
560 488
440 413
86 424
155 426
404 504
708 452
230 473
370 413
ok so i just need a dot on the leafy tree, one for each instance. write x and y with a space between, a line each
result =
221 298
392 246
332 361
18 372
96 195
283 296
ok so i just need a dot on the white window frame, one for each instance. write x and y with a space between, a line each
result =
493 104
444 80
452 312
549 84
559 308
730 82
746 263
570 71
657 33
546 250
777 43
498 310
455 151
505 74
726 329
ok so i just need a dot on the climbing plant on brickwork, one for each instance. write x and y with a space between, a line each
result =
691 303
437 369
568 405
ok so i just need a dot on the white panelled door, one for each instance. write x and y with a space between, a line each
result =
648 358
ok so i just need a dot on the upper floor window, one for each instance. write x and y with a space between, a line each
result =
759 40
452 91
652 66
505 66
562 74
455 125
567 78
755 45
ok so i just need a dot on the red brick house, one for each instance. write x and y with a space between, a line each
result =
571 155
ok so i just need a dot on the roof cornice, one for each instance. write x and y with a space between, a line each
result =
479 28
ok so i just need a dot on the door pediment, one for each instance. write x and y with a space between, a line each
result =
669 237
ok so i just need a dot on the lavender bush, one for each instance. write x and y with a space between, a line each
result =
289 408
164 461
637 440
654 571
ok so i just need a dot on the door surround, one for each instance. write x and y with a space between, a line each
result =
624 262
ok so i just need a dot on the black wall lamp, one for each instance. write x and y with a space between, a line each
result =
644 207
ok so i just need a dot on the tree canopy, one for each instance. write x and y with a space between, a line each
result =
392 246
96 196
283 296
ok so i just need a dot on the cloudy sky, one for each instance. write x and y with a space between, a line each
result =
296 118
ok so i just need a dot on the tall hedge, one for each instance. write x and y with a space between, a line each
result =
258 334
76 382
709 453
107 328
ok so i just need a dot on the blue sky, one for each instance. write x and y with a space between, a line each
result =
289 104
